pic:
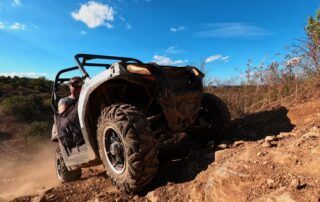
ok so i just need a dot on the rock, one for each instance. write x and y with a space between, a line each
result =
283 135
261 153
136 197
260 141
51 197
151 196
311 135
295 183
270 138
266 145
273 143
246 166
95 200
170 183
238 143
265 162
314 129
222 146
271 183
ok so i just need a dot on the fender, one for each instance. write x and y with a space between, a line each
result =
89 86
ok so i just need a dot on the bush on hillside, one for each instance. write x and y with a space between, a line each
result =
38 130
22 107
22 85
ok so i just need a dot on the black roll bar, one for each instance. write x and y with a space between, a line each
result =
56 84
82 59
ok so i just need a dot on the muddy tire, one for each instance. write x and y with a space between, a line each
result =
127 147
215 112
63 174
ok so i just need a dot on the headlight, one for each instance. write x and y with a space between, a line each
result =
195 72
138 70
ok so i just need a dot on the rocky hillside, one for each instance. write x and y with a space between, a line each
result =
272 155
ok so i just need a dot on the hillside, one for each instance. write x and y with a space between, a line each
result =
272 155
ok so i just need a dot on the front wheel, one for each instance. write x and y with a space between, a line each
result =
127 147
63 174
213 120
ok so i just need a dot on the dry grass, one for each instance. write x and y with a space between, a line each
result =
265 86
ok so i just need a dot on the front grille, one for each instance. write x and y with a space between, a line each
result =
181 79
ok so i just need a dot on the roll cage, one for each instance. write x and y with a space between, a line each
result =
84 60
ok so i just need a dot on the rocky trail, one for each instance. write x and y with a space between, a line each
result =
272 155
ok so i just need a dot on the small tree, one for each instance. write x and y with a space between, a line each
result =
313 43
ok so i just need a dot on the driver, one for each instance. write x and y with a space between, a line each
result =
75 89
68 123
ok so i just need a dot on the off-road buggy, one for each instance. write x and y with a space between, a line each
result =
127 110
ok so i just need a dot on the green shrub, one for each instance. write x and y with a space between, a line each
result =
22 107
38 130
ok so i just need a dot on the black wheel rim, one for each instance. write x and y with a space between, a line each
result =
114 150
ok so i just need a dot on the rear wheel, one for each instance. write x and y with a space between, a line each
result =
213 120
127 147
63 174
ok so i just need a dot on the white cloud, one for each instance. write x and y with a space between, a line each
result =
232 30
83 32
16 2
24 74
94 14
163 60
173 50
178 29
213 58
17 26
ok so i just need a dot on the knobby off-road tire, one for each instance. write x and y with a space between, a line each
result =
216 112
63 174
138 146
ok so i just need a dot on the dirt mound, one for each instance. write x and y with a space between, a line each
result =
269 156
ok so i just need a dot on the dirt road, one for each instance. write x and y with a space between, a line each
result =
269 156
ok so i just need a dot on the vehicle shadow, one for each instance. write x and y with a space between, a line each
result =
257 126
181 162
5 136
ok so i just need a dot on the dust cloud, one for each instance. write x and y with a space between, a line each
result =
24 169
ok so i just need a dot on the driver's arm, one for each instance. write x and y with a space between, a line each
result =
62 105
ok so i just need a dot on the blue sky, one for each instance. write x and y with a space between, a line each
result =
40 37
